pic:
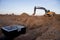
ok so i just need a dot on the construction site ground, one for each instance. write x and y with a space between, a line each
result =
38 27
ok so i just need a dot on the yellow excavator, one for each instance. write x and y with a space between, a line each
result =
47 12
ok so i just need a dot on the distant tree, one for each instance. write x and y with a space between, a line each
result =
12 13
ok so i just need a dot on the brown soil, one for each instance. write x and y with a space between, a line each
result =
38 27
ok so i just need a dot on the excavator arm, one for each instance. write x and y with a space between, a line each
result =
46 11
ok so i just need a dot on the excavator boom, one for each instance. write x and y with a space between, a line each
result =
46 11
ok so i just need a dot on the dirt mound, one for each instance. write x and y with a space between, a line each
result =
38 27
24 15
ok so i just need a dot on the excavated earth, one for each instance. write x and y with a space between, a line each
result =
38 27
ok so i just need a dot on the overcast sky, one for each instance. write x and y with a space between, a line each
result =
20 6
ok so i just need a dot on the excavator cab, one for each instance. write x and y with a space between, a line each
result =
47 12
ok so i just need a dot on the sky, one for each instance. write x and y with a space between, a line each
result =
20 6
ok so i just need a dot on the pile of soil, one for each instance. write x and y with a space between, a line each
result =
38 27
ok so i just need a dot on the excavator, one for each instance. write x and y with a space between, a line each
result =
47 12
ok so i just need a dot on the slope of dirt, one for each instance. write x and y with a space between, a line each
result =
38 27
